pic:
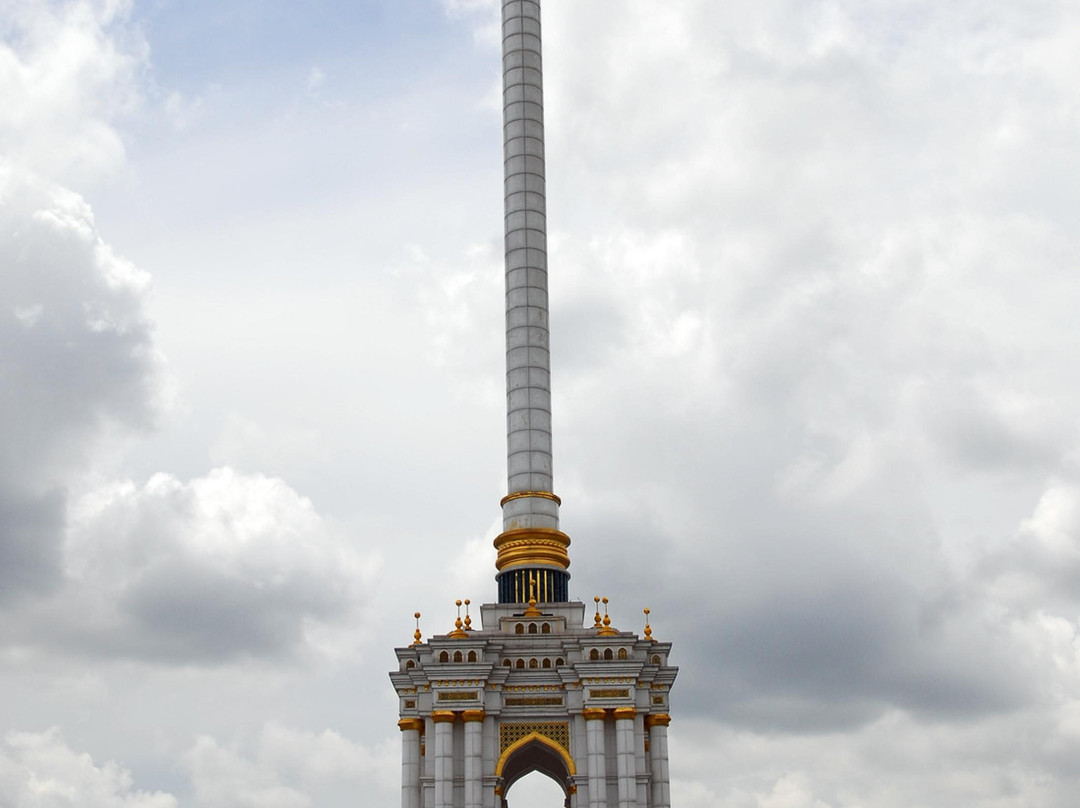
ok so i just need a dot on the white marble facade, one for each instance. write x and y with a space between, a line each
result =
585 705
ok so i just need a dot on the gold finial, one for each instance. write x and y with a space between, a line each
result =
532 611
468 620
648 628
597 617
607 630
416 634
458 632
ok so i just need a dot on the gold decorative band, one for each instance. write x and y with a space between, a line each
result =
406 724
442 716
523 494
593 713
622 713
610 693
530 546
657 720
473 715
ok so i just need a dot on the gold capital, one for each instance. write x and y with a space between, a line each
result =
442 716
532 546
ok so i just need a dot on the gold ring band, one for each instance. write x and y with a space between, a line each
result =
523 494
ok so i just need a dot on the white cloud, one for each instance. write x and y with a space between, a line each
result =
245 444
487 27
292 768
67 72
222 778
39 770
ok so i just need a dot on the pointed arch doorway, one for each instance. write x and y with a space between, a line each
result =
536 790
535 753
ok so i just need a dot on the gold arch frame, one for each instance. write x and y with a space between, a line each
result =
523 742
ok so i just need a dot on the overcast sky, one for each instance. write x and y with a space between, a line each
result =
816 362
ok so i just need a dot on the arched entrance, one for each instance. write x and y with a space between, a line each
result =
536 790
535 753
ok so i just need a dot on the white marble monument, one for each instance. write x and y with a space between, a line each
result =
536 688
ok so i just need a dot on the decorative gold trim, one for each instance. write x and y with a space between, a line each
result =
594 713
609 693
533 701
623 713
405 724
532 546
442 716
538 738
523 494
657 720
470 716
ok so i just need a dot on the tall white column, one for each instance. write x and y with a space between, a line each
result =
444 758
594 743
410 761
658 757
528 377
624 749
474 752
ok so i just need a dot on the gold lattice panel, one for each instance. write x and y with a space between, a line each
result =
557 731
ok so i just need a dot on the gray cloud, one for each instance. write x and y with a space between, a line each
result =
223 568
78 364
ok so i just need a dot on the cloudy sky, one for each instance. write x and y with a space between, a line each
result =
816 350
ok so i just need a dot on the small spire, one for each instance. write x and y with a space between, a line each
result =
607 630
468 620
648 628
532 611
416 634
597 624
458 632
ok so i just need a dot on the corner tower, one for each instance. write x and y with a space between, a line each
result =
537 687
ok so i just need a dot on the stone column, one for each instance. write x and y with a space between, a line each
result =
658 757
410 761
474 751
444 758
624 748
528 378
594 743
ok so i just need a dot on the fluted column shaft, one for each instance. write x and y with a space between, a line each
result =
474 750
594 747
410 762
444 758
624 749
528 377
658 758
